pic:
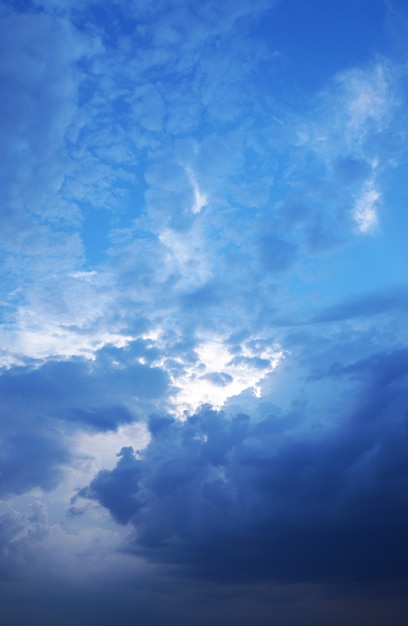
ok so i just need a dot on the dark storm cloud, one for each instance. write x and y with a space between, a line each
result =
123 503
32 459
32 449
42 403
234 499
81 391
102 418
379 367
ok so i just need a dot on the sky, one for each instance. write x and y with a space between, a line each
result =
203 312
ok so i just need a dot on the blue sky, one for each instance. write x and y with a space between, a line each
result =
203 311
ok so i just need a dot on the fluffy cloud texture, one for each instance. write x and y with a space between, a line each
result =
203 312
241 499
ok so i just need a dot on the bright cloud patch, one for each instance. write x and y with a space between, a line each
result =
218 374
365 209
200 199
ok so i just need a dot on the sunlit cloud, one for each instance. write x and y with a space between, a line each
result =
219 374
200 199
365 209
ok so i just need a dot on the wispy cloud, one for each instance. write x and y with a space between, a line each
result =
365 209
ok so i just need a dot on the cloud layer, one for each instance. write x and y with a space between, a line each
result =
238 499
203 312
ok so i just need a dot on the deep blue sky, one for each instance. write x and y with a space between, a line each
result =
203 312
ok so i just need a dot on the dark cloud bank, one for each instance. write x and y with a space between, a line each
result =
43 404
238 501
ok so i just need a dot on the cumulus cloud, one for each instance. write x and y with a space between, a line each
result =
48 387
32 459
232 498
46 404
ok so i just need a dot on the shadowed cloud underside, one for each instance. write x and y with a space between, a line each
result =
203 361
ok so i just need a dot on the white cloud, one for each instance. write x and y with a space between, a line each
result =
365 209
218 373
200 199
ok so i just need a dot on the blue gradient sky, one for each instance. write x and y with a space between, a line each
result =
203 307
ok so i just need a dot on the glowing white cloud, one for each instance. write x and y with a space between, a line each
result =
365 209
219 374
200 199
52 339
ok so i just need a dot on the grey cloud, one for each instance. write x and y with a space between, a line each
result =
237 499
11 524
101 387
102 418
19 532
41 403
379 369
32 459
109 486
